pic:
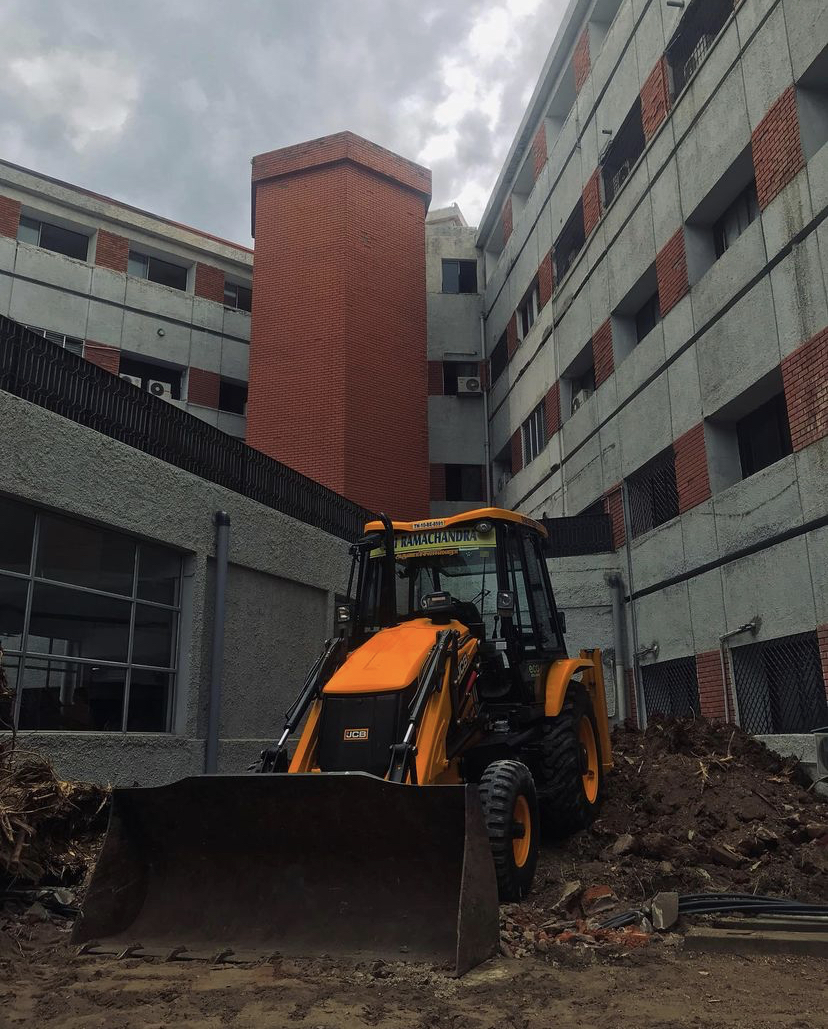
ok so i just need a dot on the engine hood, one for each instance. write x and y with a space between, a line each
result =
390 660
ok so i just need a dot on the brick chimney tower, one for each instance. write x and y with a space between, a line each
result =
338 371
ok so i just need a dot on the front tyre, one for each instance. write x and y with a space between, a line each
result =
510 810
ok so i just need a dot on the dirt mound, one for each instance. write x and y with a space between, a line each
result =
49 828
692 807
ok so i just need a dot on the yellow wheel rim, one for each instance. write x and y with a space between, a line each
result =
521 844
589 756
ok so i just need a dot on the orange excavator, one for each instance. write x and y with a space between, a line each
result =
442 730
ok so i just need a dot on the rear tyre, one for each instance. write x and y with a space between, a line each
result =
572 778
510 809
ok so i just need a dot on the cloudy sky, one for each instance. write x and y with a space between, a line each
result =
163 103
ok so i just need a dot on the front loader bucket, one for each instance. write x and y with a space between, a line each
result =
336 863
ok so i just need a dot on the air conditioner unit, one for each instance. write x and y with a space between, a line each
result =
468 386
134 379
160 389
580 398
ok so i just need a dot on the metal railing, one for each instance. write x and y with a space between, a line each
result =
48 375
700 25
653 493
671 687
779 685
580 534
622 153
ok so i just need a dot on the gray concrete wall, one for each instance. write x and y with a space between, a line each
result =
143 319
714 351
281 585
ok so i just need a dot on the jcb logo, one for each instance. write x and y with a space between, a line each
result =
355 734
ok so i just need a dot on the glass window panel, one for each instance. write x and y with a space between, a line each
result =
137 265
166 274
8 685
149 694
64 241
451 276
71 696
74 624
16 532
29 231
85 555
12 611
244 298
153 639
159 572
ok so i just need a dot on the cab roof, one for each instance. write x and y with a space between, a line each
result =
490 514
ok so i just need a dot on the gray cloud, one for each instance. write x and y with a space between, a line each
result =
162 105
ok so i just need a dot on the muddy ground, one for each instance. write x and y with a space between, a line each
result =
43 983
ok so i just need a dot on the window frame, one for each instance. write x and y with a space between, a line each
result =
773 411
71 343
149 260
232 303
527 311
458 469
27 222
463 264
533 433
24 656
745 206
651 308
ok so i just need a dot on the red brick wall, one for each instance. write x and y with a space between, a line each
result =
553 410
103 356
437 481
506 220
671 271
539 152
655 99
209 282
614 507
805 377
511 336
822 639
692 478
777 148
592 202
435 378
546 279
339 320
711 687
203 387
602 355
9 217
517 452
111 251
580 60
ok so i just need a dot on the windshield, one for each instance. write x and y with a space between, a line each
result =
460 561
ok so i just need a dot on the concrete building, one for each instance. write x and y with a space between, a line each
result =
656 319
165 304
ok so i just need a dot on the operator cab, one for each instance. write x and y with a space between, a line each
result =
484 569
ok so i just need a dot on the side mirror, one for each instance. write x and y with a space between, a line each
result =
505 603
343 616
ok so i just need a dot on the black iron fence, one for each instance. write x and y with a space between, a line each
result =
50 376
700 25
671 687
779 685
621 155
580 534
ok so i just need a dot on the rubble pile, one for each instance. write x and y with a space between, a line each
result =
691 807
49 829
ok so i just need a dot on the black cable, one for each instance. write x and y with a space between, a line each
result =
713 903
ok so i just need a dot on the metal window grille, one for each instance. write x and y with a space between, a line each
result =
779 685
534 433
570 242
47 375
499 358
69 342
697 31
579 534
653 493
623 152
671 687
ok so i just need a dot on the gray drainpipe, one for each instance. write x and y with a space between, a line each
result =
619 631
221 520
487 457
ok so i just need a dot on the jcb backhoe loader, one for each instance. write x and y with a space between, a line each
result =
443 728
